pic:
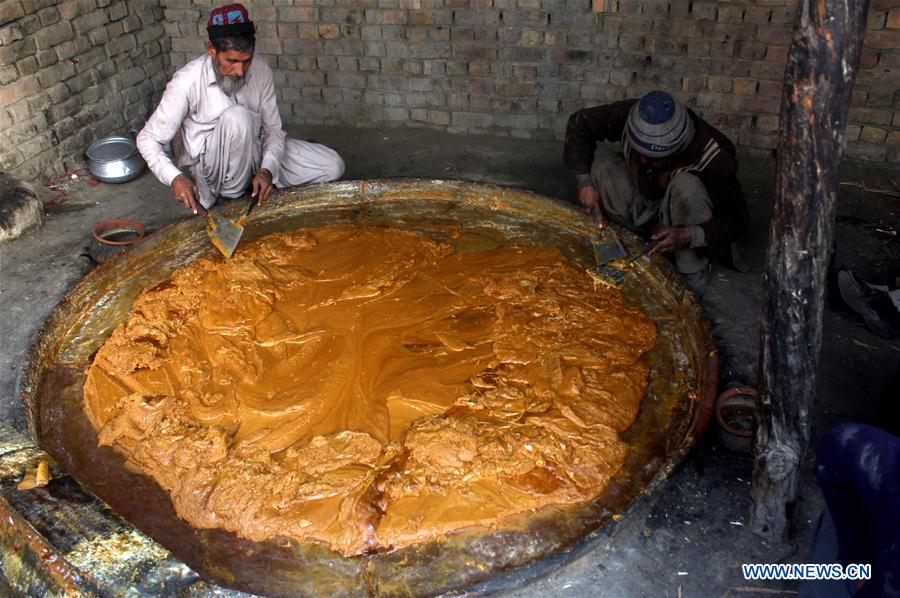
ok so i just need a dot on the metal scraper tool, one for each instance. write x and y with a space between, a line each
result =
613 276
224 233
606 251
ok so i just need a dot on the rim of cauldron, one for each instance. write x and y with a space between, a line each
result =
678 448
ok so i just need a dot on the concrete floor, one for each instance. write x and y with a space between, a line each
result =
687 539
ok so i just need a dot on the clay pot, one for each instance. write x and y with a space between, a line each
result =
112 236
735 409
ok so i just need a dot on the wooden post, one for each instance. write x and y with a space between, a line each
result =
818 82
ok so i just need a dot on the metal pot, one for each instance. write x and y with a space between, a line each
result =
115 159
683 376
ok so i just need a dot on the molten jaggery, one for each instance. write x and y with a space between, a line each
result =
371 388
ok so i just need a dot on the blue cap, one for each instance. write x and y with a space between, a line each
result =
659 125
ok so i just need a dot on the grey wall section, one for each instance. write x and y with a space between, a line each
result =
519 67
73 72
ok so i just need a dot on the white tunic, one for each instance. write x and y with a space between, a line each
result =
228 138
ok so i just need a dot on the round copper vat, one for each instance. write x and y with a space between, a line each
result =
676 408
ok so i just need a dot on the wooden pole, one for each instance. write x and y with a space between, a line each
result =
818 82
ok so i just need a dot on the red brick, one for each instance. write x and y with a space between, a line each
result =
329 31
704 11
516 89
774 35
876 19
268 46
893 20
698 47
307 31
750 50
89 21
866 151
53 36
777 54
882 40
767 123
730 14
10 11
872 134
479 69
770 89
264 30
889 60
882 4
17 90
767 71
759 105
264 14
720 84
759 15
692 83
656 8
871 116
745 87
294 14
677 28
782 15
386 17
868 59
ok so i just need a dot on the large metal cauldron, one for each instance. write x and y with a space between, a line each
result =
672 413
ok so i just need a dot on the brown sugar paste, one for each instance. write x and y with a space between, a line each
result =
370 388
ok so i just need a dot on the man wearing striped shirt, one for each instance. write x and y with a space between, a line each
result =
674 179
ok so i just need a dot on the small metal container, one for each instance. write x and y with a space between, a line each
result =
115 159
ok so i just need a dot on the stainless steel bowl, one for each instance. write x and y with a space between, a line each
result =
115 159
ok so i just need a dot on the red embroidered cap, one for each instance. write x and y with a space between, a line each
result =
228 15
229 21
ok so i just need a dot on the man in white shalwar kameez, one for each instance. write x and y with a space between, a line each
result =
219 115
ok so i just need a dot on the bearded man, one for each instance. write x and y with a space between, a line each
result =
220 116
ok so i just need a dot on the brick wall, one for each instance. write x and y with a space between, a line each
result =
520 67
72 72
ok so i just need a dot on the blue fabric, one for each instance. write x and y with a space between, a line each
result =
858 470
825 551
656 107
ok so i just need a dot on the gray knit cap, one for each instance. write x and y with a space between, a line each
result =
659 125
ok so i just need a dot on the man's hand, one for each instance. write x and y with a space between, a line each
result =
262 186
185 192
589 198
670 238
